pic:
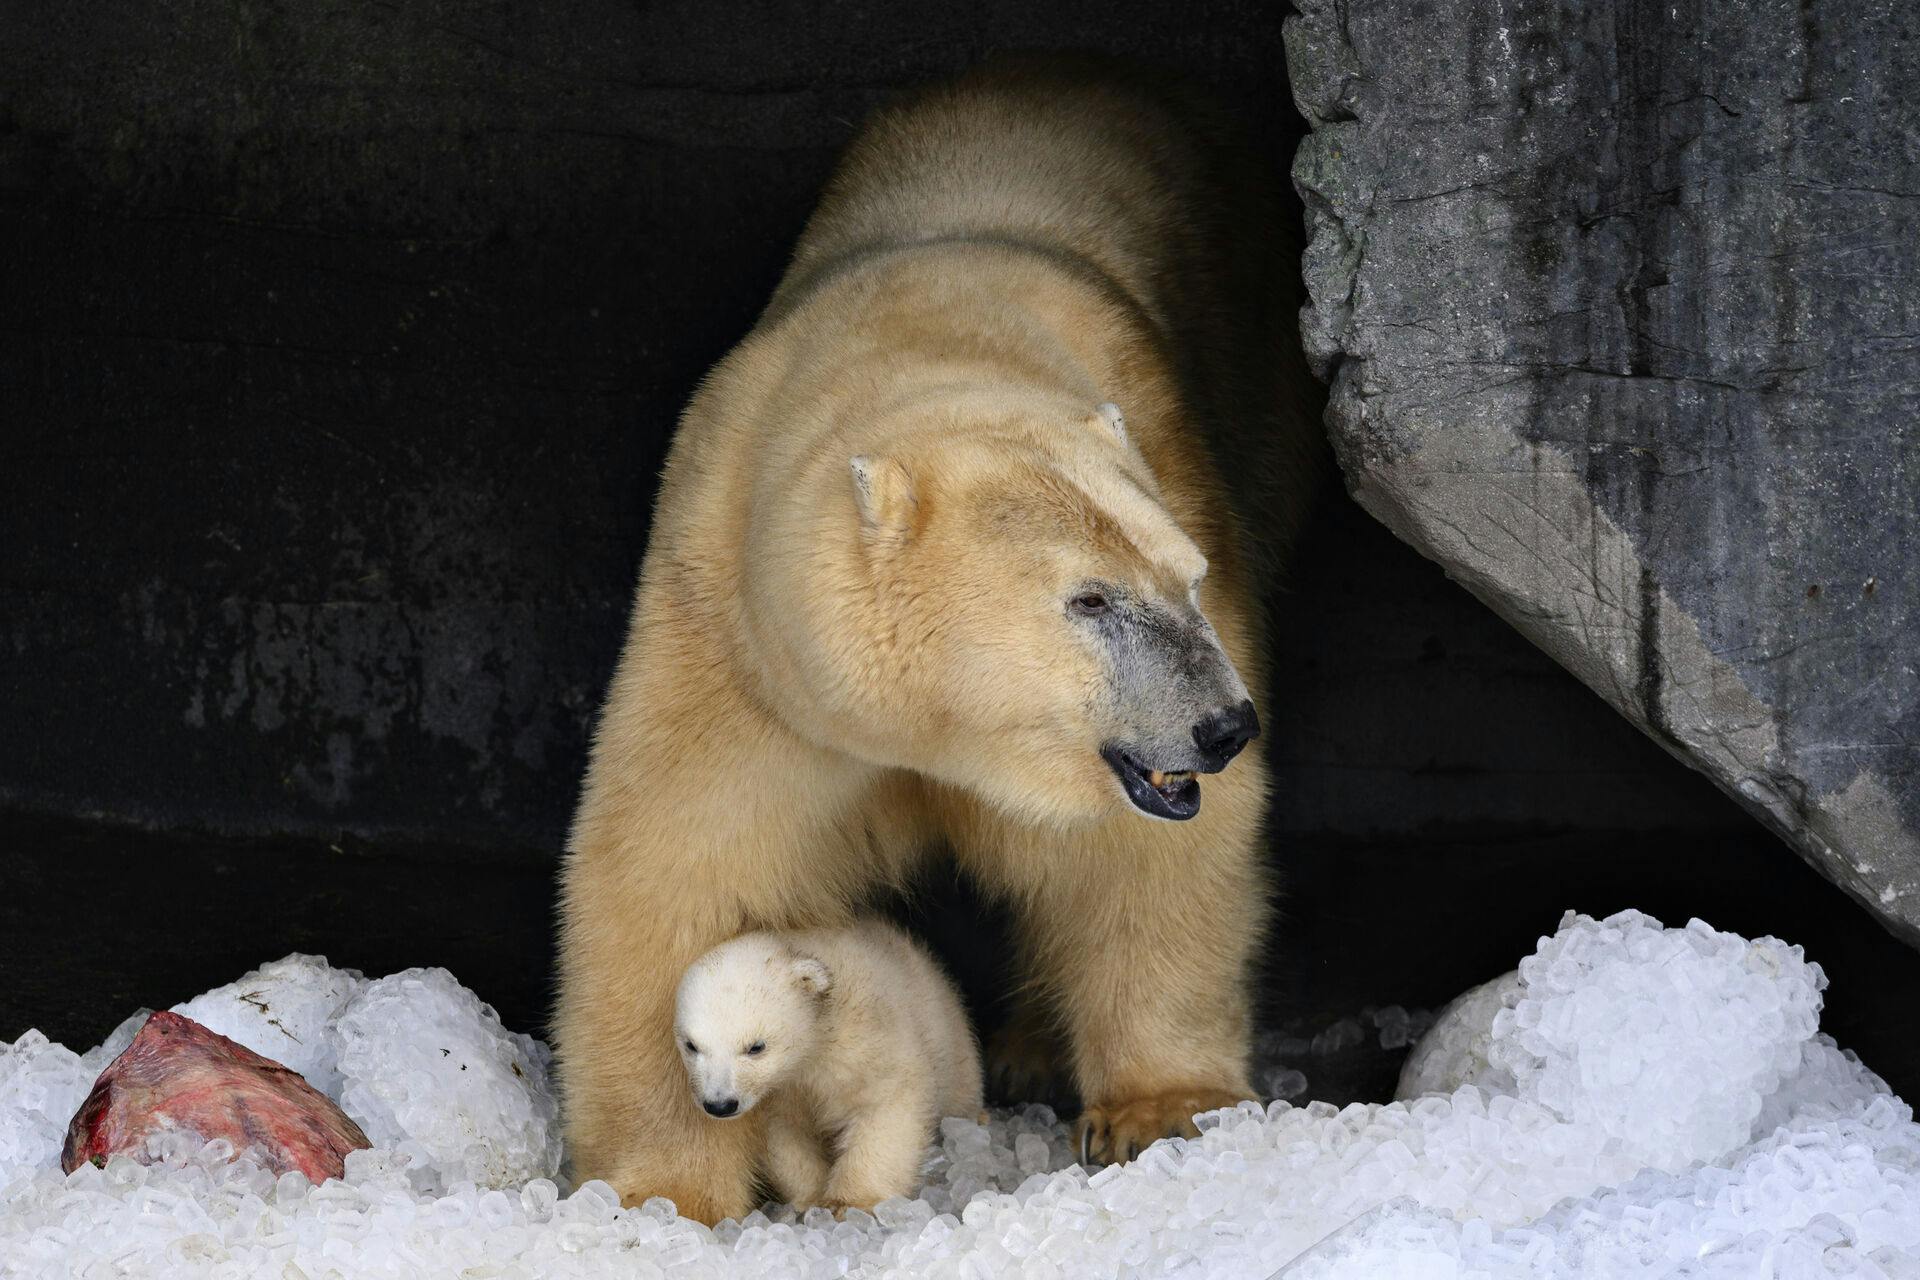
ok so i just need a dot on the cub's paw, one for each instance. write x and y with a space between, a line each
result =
1121 1130
688 1202
1020 1064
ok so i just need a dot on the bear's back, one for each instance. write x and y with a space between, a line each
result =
1131 179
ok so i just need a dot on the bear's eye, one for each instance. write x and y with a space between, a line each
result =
691 1046
1089 603
757 1048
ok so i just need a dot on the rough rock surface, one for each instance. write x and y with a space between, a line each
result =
1618 304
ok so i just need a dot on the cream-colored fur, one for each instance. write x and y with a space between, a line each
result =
864 628
851 1039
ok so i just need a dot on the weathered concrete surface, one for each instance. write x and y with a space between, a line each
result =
342 344
1621 309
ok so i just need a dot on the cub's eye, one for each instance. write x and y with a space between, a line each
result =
757 1048
691 1046
1088 604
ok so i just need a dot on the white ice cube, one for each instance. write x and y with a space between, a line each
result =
428 1068
282 1011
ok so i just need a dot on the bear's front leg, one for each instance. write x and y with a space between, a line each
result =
698 822
1158 1019
631 1116
1143 932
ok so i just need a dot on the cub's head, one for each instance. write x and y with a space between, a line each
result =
746 1015
1019 615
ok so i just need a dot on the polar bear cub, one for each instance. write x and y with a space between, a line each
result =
853 1041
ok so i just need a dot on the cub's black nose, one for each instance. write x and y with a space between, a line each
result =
722 1109
1220 734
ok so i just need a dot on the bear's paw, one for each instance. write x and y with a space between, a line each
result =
1121 1130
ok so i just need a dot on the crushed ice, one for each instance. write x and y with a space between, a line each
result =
1636 1100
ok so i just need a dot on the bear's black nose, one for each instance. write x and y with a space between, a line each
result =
722 1109
1220 734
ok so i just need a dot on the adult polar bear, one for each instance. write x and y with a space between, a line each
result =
914 582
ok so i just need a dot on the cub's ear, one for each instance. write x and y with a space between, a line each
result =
884 493
812 975
1110 417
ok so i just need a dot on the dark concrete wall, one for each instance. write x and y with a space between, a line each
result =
343 343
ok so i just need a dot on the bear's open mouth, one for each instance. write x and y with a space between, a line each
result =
1173 794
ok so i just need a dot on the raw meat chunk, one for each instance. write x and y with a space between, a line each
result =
178 1075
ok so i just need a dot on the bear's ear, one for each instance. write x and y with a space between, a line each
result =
884 493
1110 417
814 977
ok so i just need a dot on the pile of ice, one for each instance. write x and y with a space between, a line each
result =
1648 1101
416 1059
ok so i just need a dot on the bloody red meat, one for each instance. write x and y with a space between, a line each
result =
177 1074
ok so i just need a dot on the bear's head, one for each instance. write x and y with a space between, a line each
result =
746 1015
994 592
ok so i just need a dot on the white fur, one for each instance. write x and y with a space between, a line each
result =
852 1040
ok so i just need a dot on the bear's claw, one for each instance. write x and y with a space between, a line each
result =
1120 1131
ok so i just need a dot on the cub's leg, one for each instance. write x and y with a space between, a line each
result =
880 1155
796 1163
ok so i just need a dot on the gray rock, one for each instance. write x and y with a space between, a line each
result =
1618 304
